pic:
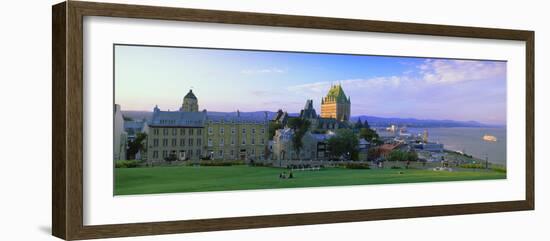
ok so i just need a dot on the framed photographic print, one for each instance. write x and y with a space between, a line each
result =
171 120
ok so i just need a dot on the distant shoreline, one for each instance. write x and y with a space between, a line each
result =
373 121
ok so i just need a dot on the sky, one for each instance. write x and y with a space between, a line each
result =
383 86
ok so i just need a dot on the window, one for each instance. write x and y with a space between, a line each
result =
209 130
156 131
199 152
221 141
232 130
221 130
263 141
232 153
253 130
220 153
155 154
253 141
190 153
190 141
174 142
164 154
182 131
244 130
155 142
165 131
199 142
190 132
164 142
182 142
232 140
209 142
199 132
262 130
174 131
244 141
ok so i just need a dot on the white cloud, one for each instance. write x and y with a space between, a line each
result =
441 71
351 84
263 71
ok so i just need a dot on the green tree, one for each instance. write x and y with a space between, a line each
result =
273 126
345 142
412 156
300 127
397 155
368 134
136 145
358 125
366 124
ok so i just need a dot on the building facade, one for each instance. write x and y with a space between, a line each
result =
314 146
119 136
192 135
335 105
236 138
175 133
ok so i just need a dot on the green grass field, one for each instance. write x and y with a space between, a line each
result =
198 179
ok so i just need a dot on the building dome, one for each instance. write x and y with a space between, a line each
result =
190 95
190 103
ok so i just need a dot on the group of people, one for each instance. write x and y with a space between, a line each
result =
284 175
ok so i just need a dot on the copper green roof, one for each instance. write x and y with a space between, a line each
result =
336 92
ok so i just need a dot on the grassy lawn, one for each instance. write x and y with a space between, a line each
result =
198 179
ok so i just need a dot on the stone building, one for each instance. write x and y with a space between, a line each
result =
236 137
175 133
336 105
192 135
319 123
119 135
190 103
314 146
134 127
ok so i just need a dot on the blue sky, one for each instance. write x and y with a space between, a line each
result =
230 80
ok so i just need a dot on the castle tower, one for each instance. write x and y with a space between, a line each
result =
335 104
308 112
190 103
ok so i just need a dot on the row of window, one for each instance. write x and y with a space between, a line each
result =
232 153
166 153
243 141
175 131
189 154
182 142
233 130
190 142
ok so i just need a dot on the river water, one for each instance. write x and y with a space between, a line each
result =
469 140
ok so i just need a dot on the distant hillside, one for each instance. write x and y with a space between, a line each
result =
373 120
412 122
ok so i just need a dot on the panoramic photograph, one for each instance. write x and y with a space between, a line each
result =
203 119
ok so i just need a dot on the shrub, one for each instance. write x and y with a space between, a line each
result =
126 163
352 165
220 163
473 165
498 168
